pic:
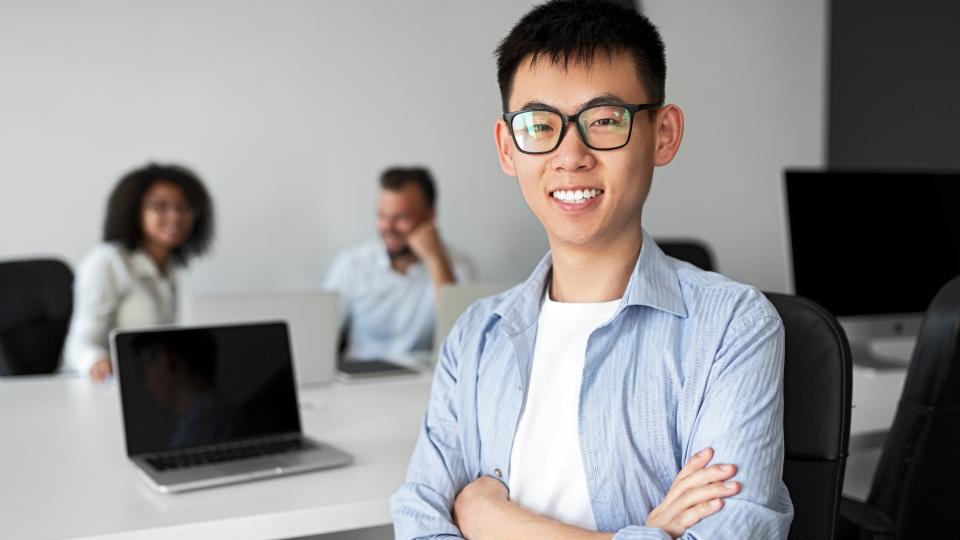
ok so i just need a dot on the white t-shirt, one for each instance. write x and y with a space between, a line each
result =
546 468
390 314
115 288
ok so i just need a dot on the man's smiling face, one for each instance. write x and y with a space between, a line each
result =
613 184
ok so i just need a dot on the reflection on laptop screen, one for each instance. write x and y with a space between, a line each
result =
189 387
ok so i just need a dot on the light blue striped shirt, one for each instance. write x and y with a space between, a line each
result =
690 360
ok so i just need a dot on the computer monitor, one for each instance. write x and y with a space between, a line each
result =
873 247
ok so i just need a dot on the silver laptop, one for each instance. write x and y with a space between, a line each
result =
313 318
204 406
453 300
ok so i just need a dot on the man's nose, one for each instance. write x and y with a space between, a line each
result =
573 153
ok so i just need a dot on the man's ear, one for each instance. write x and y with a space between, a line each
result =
669 133
505 147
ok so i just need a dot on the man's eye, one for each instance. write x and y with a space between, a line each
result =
607 122
538 131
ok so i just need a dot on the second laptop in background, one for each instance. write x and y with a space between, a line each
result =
453 300
313 318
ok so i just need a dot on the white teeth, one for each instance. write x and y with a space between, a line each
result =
577 196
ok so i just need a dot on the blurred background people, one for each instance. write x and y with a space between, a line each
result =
158 218
388 285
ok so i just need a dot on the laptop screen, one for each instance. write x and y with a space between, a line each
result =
189 387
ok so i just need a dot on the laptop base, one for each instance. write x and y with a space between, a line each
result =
323 456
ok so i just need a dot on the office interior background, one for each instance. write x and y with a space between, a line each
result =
290 110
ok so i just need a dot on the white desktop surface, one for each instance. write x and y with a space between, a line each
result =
875 396
64 471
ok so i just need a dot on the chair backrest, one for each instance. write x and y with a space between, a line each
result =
816 413
36 301
918 475
694 252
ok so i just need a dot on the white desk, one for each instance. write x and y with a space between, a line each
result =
64 472
875 396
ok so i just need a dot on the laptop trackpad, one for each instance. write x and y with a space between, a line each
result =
248 466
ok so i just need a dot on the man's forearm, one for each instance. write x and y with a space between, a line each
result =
439 268
508 521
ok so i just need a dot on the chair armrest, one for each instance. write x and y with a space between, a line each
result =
870 521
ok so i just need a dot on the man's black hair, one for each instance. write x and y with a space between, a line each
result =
395 178
125 207
576 31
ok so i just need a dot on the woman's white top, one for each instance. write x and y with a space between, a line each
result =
115 288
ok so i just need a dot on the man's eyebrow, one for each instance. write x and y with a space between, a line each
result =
602 99
537 105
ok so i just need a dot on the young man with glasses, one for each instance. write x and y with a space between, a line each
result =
617 393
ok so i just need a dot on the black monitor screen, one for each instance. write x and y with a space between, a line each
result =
873 243
189 387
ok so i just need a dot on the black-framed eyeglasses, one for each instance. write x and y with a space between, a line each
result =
601 127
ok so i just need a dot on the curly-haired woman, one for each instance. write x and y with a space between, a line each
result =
158 218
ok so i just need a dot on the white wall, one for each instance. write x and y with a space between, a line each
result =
273 103
750 76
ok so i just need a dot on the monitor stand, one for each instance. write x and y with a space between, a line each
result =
883 342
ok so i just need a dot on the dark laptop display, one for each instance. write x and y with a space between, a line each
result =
208 406
203 386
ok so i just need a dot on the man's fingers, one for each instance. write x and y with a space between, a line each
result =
697 462
697 496
707 475
694 464
694 514
699 477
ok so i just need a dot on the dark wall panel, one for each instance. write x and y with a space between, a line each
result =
894 84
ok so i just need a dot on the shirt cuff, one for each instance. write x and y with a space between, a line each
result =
641 533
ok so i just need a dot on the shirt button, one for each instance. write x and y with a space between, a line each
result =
498 473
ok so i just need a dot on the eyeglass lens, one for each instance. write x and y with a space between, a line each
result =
602 127
162 207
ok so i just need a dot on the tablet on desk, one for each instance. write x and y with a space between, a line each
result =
351 369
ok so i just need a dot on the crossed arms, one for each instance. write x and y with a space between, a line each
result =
739 422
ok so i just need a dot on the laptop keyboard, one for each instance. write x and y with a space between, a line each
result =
227 452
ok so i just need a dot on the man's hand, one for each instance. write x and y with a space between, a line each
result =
696 492
425 243
100 370
471 510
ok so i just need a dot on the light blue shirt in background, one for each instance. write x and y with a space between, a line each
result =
690 360
389 314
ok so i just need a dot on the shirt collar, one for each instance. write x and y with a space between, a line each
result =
654 283
142 265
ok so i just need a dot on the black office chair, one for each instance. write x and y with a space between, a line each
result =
816 413
915 489
36 300
694 252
